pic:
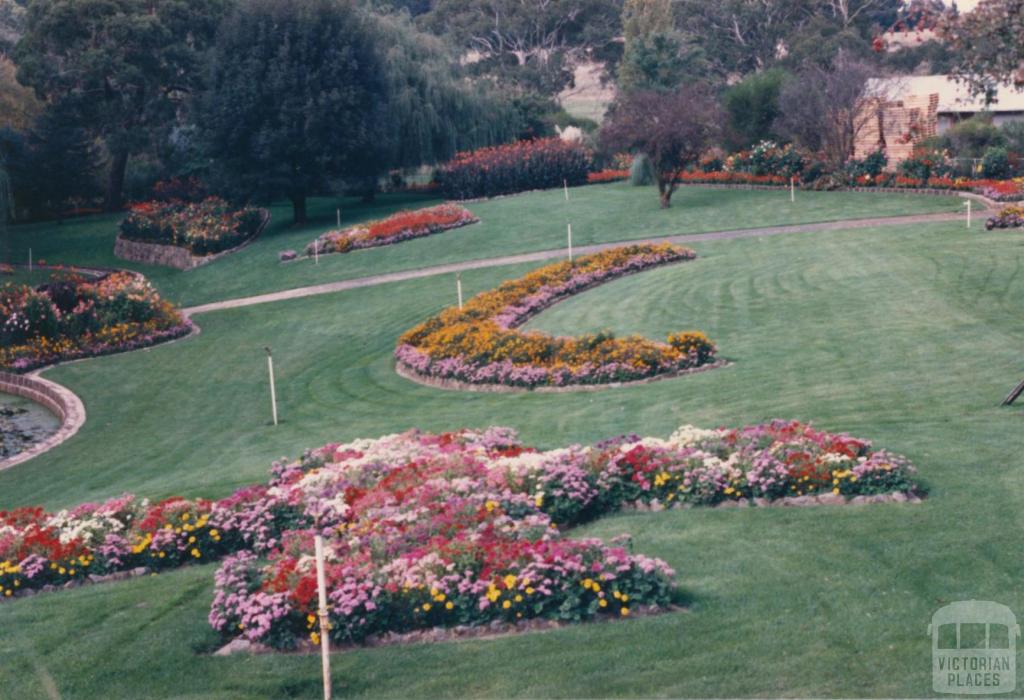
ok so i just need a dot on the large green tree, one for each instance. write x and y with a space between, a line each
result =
656 56
297 95
990 44
433 109
119 68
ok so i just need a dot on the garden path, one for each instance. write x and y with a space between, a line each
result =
373 280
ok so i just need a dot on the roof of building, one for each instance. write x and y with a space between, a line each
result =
953 96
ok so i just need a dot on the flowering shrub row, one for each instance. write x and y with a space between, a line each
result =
479 344
205 227
396 228
1008 217
438 530
516 167
71 317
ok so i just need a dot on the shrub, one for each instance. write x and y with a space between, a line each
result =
996 163
517 167
1008 217
641 172
925 163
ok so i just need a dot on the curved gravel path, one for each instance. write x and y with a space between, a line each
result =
389 277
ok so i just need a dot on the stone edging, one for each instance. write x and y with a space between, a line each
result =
175 256
412 375
60 401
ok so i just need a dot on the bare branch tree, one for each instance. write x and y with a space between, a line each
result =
672 129
825 109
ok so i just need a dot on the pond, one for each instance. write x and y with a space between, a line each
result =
22 424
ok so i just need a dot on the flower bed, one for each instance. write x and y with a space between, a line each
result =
71 317
203 228
1008 217
396 228
479 344
439 530
516 167
607 175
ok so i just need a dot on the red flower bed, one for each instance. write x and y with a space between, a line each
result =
394 229
515 167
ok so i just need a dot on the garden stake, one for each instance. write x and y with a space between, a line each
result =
339 217
458 287
273 392
968 205
325 624
792 189
316 252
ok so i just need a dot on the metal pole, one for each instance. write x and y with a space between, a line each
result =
458 287
325 625
968 205
273 391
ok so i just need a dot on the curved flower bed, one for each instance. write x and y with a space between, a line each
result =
396 228
1008 217
203 228
439 530
479 344
74 317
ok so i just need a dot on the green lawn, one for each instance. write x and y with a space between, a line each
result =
534 221
908 336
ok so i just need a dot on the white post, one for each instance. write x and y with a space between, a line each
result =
339 218
316 251
458 287
792 189
273 391
968 205
325 625
565 185
570 243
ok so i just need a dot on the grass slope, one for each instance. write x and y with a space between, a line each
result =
908 336
534 221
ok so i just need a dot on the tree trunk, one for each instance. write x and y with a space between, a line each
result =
115 182
298 209
664 192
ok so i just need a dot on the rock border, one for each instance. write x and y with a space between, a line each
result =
822 499
58 400
174 256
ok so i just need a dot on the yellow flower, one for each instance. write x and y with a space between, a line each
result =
835 491
519 599
449 605
510 581
529 591
426 607
587 583
624 612
196 553
490 505
602 603
506 605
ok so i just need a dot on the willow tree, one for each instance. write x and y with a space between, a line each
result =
433 109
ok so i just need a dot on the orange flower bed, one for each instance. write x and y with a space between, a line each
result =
479 343
394 229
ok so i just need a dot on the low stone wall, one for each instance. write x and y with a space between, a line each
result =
175 256
58 400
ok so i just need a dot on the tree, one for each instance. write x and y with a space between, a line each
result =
672 129
433 110
12 24
296 96
824 109
119 68
535 44
753 107
61 162
656 56
988 42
